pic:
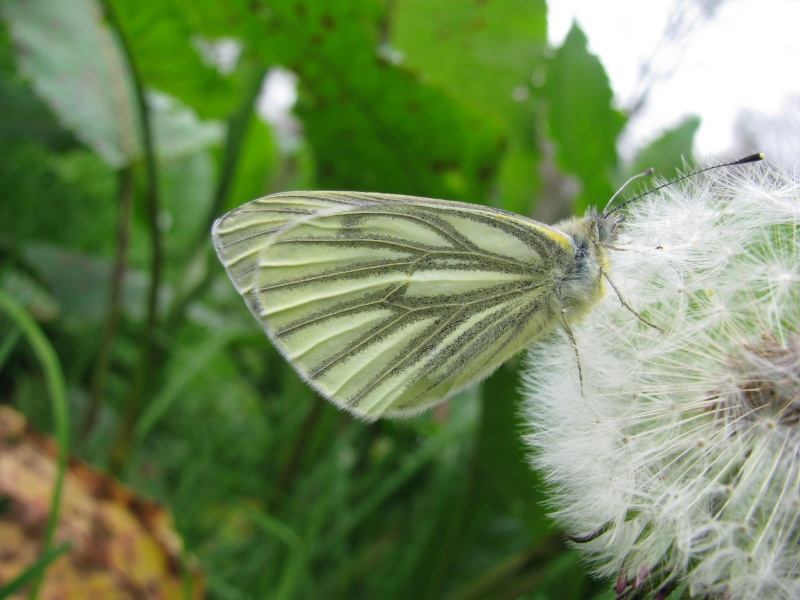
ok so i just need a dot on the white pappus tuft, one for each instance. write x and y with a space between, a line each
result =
676 462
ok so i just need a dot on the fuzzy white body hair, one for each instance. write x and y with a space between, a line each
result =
583 287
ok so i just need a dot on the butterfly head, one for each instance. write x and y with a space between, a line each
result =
591 231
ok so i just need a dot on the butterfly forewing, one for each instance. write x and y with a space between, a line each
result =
389 304
240 235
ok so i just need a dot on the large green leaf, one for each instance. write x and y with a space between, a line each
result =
488 54
73 61
22 113
178 131
485 52
581 119
371 124
374 125
75 64
257 165
79 282
168 55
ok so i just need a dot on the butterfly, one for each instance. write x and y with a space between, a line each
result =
388 305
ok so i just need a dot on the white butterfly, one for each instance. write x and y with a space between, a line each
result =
388 305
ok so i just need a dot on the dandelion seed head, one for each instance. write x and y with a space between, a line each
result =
682 448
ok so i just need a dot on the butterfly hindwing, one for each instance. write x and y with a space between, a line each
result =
390 304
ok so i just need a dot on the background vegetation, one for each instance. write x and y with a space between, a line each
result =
128 127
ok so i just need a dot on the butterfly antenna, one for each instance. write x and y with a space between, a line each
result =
742 161
646 173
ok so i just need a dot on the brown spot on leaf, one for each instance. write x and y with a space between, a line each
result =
442 165
477 23
486 173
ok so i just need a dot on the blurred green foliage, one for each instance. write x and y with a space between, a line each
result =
123 139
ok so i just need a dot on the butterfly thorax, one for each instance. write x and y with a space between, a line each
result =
583 287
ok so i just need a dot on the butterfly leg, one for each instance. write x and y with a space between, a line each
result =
572 341
626 305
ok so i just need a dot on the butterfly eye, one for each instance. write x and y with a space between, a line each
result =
607 227
600 230
603 230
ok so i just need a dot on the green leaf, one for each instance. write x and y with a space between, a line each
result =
81 76
168 55
486 54
374 125
22 113
257 164
667 153
80 283
177 129
187 187
73 61
406 139
519 180
581 119
483 52
371 124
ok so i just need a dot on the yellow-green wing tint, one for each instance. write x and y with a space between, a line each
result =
390 304
240 235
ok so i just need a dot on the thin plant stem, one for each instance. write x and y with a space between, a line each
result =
148 362
102 363
34 572
57 389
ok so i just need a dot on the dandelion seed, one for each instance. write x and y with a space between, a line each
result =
678 460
